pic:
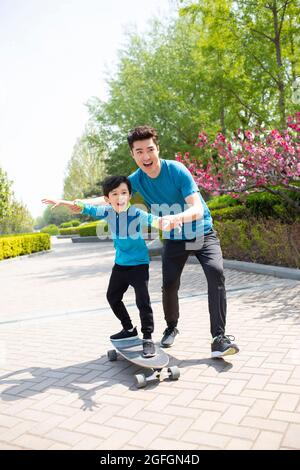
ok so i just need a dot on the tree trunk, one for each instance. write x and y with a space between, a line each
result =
280 82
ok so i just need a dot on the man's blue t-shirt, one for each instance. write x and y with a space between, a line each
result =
126 232
168 191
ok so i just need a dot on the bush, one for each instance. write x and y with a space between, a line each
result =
69 231
71 223
65 225
262 204
50 229
264 241
220 202
75 222
268 205
90 230
258 204
230 213
15 234
23 244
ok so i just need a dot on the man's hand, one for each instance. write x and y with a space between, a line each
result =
60 202
170 222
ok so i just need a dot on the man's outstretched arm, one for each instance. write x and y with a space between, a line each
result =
195 211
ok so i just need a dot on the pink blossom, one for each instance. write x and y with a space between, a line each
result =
263 158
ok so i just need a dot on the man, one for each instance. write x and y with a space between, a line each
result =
166 185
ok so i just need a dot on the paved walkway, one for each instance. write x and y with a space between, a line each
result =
59 391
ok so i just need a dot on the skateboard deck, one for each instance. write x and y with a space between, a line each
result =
132 350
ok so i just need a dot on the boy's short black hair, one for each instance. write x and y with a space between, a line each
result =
112 182
142 133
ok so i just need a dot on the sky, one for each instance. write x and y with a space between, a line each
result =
53 57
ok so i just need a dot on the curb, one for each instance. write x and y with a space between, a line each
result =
66 236
90 239
266 269
31 255
244 266
97 239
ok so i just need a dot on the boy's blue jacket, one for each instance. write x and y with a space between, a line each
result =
126 231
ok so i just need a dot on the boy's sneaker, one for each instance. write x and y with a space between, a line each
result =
125 334
148 348
169 337
223 346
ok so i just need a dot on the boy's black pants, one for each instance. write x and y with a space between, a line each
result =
210 257
138 277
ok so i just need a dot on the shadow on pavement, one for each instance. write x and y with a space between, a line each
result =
285 304
69 378
219 364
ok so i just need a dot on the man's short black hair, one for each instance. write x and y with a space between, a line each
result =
142 133
112 182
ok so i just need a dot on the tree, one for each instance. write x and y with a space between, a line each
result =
86 166
253 161
5 194
156 83
57 216
210 68
267 37
19 219
14 216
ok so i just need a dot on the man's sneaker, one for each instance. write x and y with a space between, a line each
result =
168 337
125 334
223 346
148 348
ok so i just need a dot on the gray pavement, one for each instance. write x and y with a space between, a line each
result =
59 391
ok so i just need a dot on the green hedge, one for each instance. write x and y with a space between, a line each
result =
264 241
230 213
262 204
219 202
259 204
69 231
71 223
90 230
15 234
17 245
86 230
51 229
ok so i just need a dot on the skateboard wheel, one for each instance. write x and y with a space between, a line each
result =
174 373
141 381
112 355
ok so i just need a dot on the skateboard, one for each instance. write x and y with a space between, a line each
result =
132 350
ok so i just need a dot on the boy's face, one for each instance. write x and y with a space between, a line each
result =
146 155
119 198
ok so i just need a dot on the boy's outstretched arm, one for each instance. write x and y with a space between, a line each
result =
94 201
61 202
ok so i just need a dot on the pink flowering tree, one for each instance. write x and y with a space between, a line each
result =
256 160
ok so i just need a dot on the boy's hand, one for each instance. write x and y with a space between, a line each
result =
170 222
60 202
54 202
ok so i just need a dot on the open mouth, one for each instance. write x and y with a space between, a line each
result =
147 165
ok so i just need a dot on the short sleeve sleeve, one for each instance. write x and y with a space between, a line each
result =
184 180
133 180
146 219
97 212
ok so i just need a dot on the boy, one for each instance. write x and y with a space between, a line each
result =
132 258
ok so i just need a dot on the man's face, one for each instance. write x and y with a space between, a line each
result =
119 198
146 155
